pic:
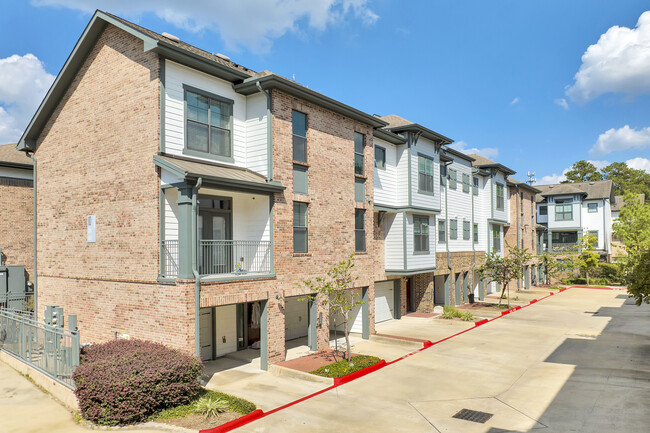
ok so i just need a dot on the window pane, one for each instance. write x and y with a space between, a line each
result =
476 233
299 123
197 114
299 240
300 227
380 157
300 181
197 136
358 142
220 142
358 219
220 114
358 164
300 214
359 190
359 240
465 183
299 149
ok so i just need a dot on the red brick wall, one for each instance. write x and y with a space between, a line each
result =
17 222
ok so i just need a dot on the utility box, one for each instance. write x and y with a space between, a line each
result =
13 286
54 315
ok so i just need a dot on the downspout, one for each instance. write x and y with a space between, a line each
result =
269 131
35 276
518 225
451 273
473 234
195 271
604 231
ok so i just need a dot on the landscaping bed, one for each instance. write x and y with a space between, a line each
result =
342 368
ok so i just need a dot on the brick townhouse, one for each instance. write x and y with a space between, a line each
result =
16 209
182 198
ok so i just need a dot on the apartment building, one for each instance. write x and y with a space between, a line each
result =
16 209
567 211
183 198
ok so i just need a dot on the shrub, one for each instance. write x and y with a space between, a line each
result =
449 312
125 381
608 272
342 367
210 406
466 316
235 404
574 280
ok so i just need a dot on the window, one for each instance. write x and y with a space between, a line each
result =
358 153
496 238
425 175
299 179
208 125
443 174
299 127
420 234
359 230
453 229
592 207
475 187
466 233
543 210
500 200
452 178
465 182
564 212
564 238
359 190
475 233
594 233
299 227
442 236
380 157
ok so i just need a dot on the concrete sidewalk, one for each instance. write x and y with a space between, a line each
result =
577 361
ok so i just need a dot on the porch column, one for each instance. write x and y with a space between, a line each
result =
264 336
481 289
185 231
313 325
550 242
365 314
447 289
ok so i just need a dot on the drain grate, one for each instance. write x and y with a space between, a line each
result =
473 415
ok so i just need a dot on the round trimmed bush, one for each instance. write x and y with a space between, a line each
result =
125 381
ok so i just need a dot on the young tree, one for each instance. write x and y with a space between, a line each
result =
550 266
586 259
637 277
502 270
333 290
582 171
633 225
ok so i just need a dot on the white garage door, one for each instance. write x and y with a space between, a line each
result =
384 301
355 323
296 318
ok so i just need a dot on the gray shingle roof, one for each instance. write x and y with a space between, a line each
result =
482 162
591 190
619 202
9 155
513 181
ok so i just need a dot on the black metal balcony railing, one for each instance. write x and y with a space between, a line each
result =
226 257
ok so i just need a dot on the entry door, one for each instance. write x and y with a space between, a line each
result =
384 301
206 339
216 248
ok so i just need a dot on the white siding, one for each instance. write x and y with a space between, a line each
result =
594 221
426 148
171 214
503 215
459 205
402 197
576 222
385 180
249 116
394 243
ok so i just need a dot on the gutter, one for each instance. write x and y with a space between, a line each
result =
35 276
195 271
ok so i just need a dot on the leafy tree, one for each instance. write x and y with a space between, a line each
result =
333 290
502 270
585 258
637 277
549 264
626 179
633 225
582 171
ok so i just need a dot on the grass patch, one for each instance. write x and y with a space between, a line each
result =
450 312
554 288
342 367
466 316
235 404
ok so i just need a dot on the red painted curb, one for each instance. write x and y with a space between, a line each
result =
562 290
533 301
600 288
481 322
551 293
504 312
231 425
357 374
427 344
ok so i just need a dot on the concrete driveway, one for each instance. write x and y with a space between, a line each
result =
577 361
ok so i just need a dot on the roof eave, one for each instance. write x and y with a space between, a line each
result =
426 132
16 165
389 136
501 167
249 86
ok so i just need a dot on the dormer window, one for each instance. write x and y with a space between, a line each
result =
208 125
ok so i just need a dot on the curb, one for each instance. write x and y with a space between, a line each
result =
280 371
357 374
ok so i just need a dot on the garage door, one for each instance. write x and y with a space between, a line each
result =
296 318
355 323
384 301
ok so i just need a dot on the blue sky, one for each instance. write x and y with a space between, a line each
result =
497 76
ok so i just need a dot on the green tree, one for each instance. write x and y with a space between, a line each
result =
633 225
637 277
549 264
333 290
585 258
503 270
582 171
626 179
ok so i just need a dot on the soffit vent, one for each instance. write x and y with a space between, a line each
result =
171 37
473 415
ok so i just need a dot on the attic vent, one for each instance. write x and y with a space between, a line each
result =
223 56
171 37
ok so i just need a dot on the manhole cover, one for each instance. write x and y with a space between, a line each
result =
473 415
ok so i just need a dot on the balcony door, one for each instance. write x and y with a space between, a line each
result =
215 234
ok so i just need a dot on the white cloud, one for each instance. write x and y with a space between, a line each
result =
620 139
250 23
552 179
23 84
639 163
488 152
514 101
618 63
562 103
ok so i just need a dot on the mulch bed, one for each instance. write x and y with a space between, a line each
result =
314 361
200 422
476 306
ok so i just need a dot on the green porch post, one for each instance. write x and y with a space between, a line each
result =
185 232
447 289
481 289
264 336
365 315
